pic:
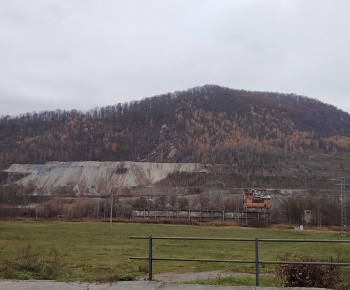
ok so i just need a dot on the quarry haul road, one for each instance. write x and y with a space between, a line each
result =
134 285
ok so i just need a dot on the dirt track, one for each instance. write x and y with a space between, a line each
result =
189 277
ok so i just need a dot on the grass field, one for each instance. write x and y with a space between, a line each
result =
96 252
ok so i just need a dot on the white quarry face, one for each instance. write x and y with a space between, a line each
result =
97 178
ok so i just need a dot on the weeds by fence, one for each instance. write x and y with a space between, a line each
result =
29 265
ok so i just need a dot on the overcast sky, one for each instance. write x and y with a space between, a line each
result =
79 54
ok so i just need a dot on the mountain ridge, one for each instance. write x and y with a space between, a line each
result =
207 124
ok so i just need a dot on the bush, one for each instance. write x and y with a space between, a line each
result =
299 275
143 268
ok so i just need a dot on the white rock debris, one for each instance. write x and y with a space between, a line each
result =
96 178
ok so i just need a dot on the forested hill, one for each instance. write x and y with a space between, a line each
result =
208 124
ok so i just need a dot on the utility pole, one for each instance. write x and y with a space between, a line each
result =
344 224
111 216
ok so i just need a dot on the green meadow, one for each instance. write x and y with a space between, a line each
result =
79 251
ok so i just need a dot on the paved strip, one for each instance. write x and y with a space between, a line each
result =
134 285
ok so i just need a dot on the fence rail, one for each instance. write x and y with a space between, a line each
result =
256 241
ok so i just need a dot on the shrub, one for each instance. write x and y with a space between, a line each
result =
300 275
143 268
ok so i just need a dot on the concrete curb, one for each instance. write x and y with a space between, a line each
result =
134 285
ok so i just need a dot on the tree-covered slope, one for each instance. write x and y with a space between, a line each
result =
208 124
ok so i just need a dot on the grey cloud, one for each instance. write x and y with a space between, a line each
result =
84 53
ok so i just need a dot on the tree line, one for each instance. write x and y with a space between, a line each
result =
324 210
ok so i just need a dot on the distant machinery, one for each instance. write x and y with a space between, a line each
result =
307 217
257 203
256 200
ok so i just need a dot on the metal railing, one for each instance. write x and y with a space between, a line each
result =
256 241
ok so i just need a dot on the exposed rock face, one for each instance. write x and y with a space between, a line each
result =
167 149
95 178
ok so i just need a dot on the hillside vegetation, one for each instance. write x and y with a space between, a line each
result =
208 124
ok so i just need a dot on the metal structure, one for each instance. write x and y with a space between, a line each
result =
256 200
256 203
256 241
195 215
344 224
111 215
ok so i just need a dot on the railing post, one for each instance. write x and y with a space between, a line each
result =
256 262
150 258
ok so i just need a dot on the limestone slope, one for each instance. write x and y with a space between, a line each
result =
95 178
